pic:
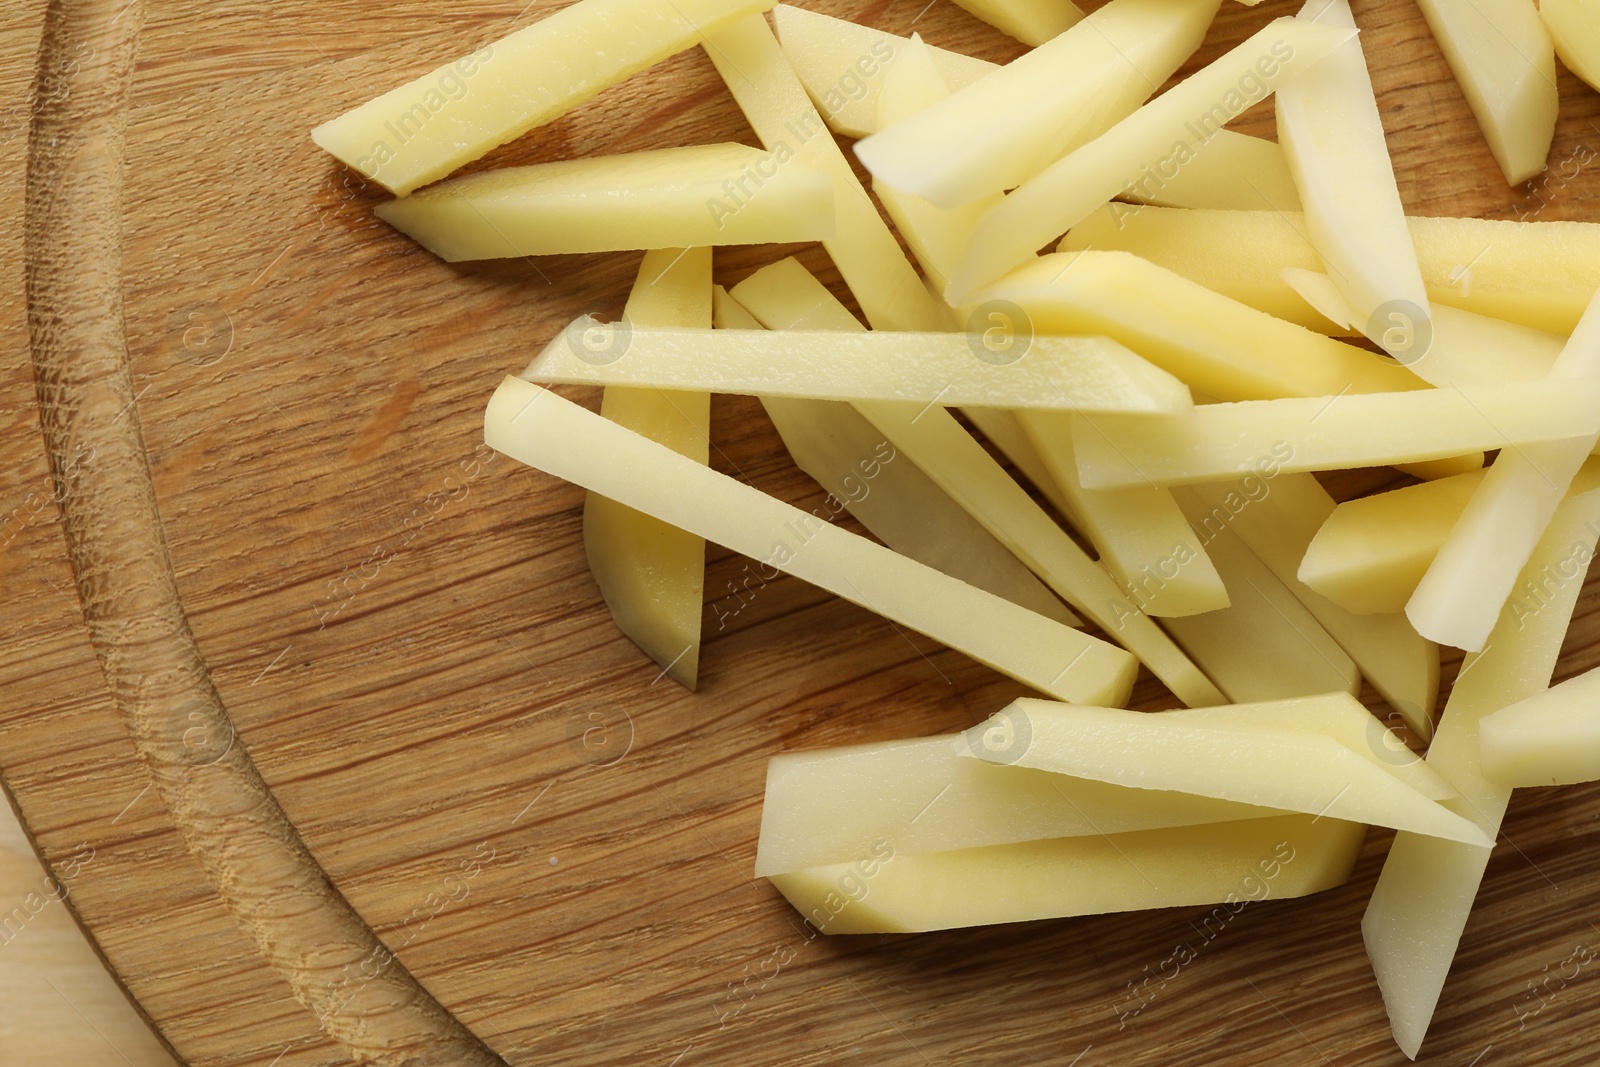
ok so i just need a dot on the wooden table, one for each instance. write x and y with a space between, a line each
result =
412 661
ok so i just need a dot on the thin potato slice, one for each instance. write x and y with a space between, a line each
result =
1002 130
834 805
1550 738
1236 172
1220 442
450 116
1218 346
1227 864
651 574
1420 905
898 504
1059 373
536 427
1270 766
1175 124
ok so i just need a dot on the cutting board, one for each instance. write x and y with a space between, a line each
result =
404 633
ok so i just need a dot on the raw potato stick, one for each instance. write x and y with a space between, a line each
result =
652 575
1223 863
1420 905
1058 373
1174 124
1236 172
450 116
1220 442
720 194
540 429
1550 738
1000 131
1270 766
1033 22
899 505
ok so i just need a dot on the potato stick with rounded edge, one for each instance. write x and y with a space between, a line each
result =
425 129
1420 905
1549 738
899 505
954 459
652 575
1003 129
1175 123
1033 22
1236 172
1221 442
535 426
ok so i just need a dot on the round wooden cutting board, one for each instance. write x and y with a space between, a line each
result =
555 840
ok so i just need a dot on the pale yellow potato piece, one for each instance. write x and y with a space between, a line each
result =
1420 905
450 116
1372 551
890 293
1236 172
1033 22
1574 26
834 805
1173 126
1139 533
1501 53
1538 274
1006 433
1550 738
1227 864
842 65
1277 521
1336 715
1002 130
1264 645
1332 138
937 236
1220 442
652 575
1270 766
1058 373
536 427
899 504
963 469
721 194
1428 470
1460 596
1218 346
1445 345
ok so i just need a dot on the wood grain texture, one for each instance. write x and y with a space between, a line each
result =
404 634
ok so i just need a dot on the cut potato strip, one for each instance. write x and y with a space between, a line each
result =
1550 738
1236 172
1033 22
1227 864
1574 26
720 194
1140 534
1277 521
1220 442
1174 126
954 459
1265 645
1332 137
1291 770
1538 274
536 427
651 574
1002 130
842 65
1502 55
1058 373
1449 346
895 501
1336 715
867 254
1218 346
425 129
1420 905
1460 596
1006 433
834 805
